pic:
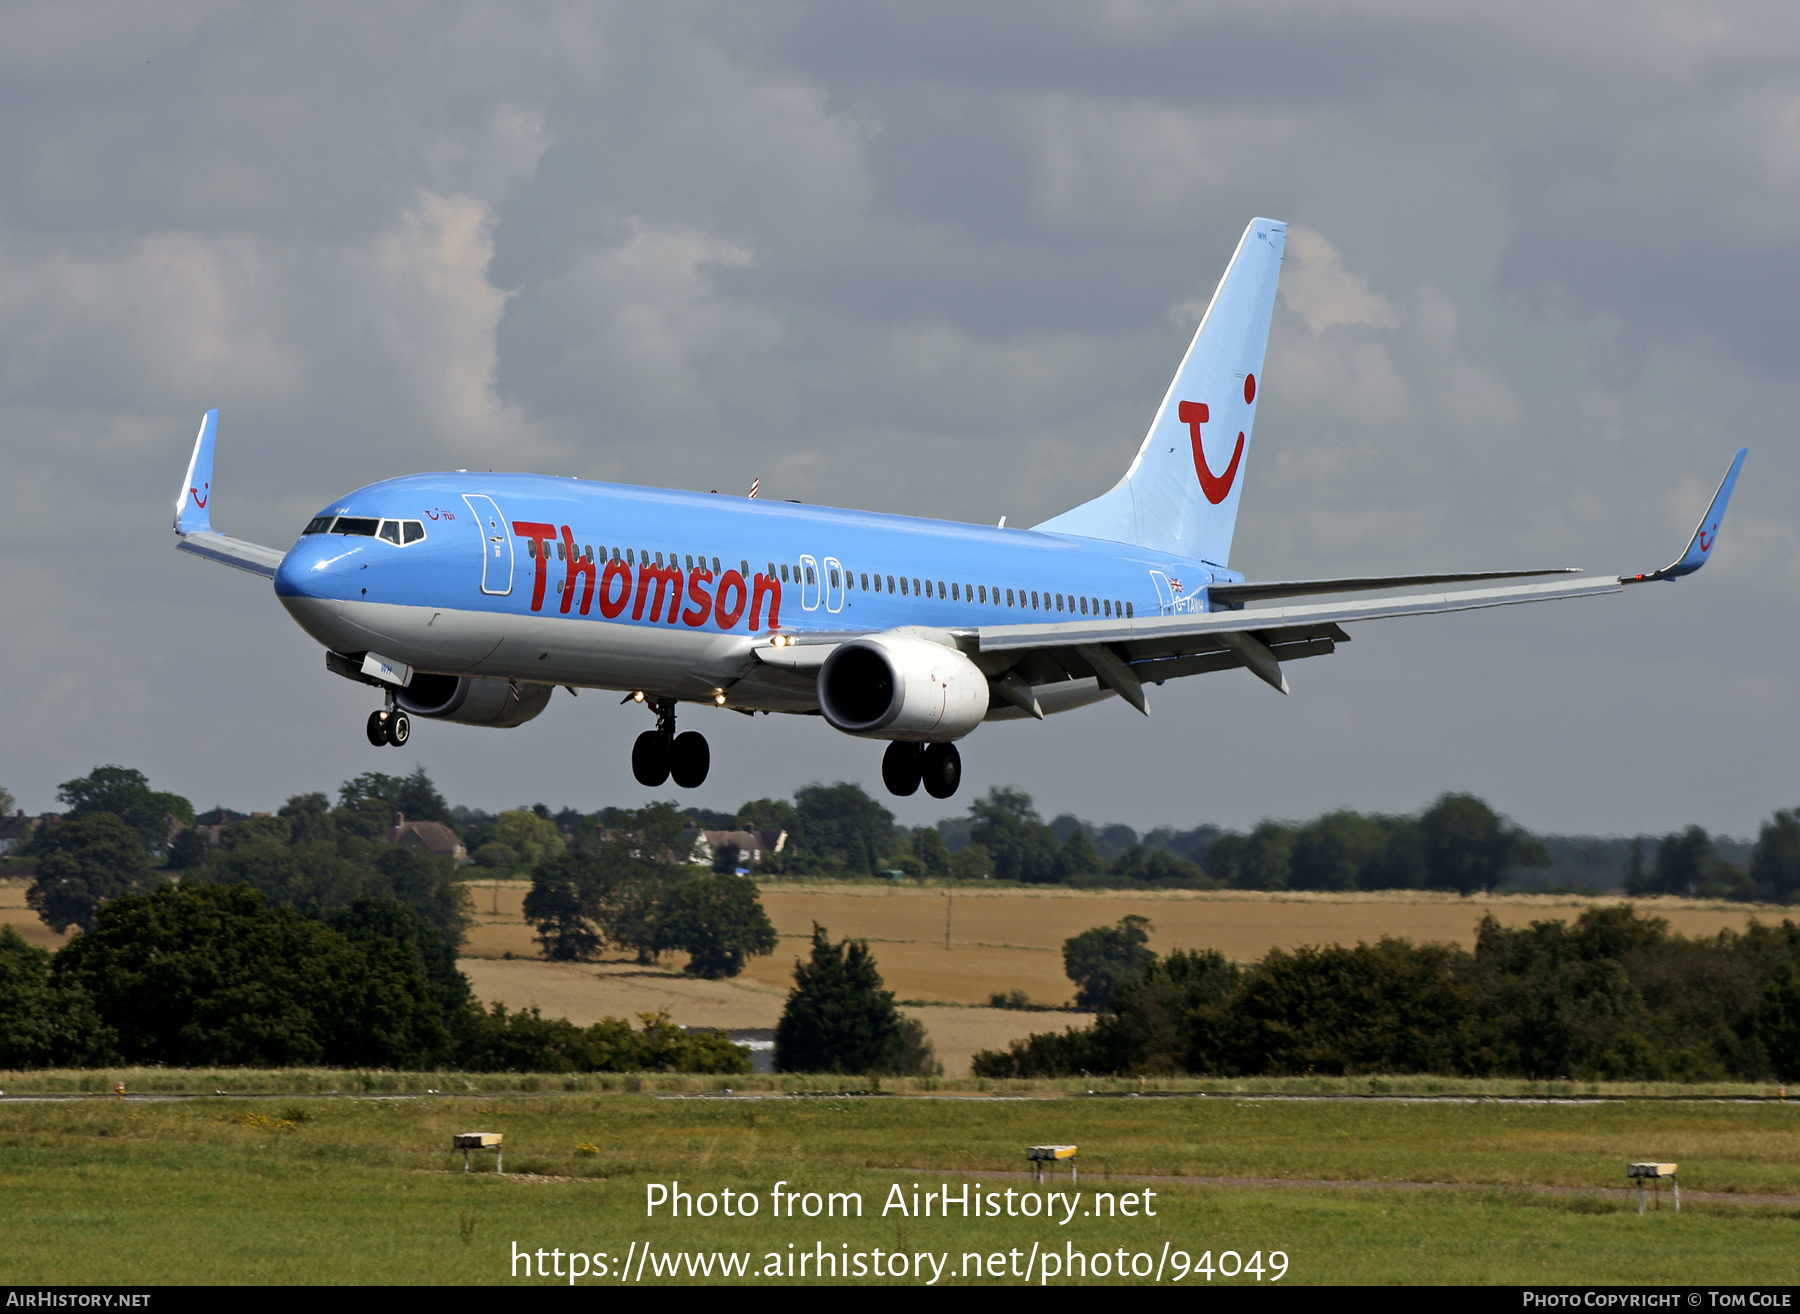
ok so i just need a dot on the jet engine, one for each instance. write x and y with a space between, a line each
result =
472 701
897 686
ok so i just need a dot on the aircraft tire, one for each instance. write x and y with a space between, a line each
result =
942 769
650 759
689 759
378 729
399 729
900 768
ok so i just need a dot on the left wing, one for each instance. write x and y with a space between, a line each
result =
193 514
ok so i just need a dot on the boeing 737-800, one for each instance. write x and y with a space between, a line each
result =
468 597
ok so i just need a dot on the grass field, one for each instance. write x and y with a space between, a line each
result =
361 1189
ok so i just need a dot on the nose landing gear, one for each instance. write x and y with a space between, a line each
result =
661 753
904 767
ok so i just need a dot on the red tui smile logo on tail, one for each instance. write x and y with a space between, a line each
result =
199 499
1194 414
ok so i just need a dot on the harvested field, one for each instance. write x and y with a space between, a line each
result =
14 913
1011 939
586 992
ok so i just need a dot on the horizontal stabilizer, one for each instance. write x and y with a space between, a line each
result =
1235 594
1700 546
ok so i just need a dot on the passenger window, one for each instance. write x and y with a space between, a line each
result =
784 578
834 577
1108 606
983 592
659 559
562 553
1009 597
903 586
954 596
1034 600
1084 606
317 525
1128 615
690 561
940 588
890 583
809 575
865 583
390 530
915 583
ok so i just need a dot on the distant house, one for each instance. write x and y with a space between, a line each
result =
751 844
434 837
211 823
15 830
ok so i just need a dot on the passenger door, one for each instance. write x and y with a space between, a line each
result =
496 545
834 588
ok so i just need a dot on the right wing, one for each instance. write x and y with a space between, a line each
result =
1122 655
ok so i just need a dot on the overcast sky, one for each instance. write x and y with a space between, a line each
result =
1543 278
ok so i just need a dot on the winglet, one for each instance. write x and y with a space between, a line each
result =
191 514
1700 546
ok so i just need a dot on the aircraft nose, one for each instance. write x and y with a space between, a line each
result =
314 568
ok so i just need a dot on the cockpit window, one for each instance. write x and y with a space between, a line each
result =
317 525
390 530
355 525
415 530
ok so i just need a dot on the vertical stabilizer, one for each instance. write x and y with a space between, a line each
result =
1181 493
191 503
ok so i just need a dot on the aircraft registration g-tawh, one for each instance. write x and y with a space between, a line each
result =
468 597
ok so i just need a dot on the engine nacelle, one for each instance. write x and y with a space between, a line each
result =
896 686
472 702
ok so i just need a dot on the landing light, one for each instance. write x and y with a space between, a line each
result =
638 696
719 697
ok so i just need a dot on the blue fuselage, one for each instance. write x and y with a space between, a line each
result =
596 574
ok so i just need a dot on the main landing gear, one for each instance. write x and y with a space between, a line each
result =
661 753
389 726
904 767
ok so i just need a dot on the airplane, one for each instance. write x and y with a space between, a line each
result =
467 597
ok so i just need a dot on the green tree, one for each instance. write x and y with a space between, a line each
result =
933 853
843 824
1778 1023
1257 861
83 862
839 1019
971 863
558 904
1469 848
6 803
1020 845
1102 959
187 851
309 818
1775 866
532 837
367 918
197 975
1079 862
718 921
41 1027
126 794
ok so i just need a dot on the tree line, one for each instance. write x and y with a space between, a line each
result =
1615 996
